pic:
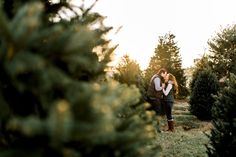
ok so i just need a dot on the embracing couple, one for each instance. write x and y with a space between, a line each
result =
162 88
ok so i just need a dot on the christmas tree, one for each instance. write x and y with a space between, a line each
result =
167 56
200 65
222 52
223 134
54 98
128 71
201 99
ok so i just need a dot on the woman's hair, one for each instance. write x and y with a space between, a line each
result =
172 78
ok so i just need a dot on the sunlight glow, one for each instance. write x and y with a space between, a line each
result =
143 21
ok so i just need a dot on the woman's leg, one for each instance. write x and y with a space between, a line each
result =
168 110
170 121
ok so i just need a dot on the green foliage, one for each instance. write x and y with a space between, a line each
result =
52 99
167 56
184 144
189 138
128 71
161 57
51 10
223 52
223 134
199 66
201 99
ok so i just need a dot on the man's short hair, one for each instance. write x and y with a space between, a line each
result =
162 70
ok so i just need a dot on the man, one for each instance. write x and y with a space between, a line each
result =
155 93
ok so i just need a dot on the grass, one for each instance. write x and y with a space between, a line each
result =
183 144
188 139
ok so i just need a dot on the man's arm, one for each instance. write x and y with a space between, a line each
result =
157 82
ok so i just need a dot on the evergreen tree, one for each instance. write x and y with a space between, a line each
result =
160 59
201 99
223 52
223 133
128 71
51 98
199 66
167 56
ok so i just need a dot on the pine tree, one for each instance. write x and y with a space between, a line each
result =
52 99
223 133
200 65
167 56
201 99
128 71
223 52
160 59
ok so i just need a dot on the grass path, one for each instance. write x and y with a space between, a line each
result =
189 138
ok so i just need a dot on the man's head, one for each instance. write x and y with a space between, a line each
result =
162 72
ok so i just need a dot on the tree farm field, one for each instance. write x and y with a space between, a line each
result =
190 136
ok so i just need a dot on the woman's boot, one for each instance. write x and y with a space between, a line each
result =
170 125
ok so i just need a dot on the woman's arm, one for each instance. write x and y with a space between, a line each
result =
168 88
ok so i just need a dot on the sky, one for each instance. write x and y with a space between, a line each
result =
142 22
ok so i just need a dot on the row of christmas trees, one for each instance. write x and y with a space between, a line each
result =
213 92
54 97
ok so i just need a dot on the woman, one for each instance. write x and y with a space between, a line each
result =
169 92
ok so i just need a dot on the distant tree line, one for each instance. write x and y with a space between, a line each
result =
166 55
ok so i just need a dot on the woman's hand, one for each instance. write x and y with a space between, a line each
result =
163 86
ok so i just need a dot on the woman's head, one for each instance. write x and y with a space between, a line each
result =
171 77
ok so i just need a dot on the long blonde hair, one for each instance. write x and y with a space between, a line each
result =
172 78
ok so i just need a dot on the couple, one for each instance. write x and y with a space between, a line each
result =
162 88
